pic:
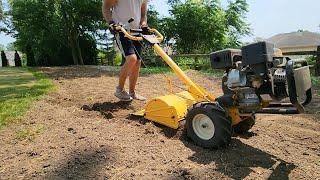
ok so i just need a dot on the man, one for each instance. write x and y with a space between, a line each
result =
133 15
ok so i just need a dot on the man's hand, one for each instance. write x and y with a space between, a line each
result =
112 26
145 29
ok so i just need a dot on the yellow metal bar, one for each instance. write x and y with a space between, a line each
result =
158 34
129 36
193 88
135 38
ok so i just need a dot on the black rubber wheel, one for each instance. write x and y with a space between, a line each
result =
208 126
245 125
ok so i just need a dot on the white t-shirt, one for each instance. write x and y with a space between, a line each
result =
125 10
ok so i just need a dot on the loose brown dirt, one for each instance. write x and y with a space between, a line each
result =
83 132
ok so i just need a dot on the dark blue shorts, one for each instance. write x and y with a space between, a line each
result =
127 46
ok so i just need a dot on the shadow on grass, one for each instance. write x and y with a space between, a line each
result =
9 81
9 93
19 88
10 77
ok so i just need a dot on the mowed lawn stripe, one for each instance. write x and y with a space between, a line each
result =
19 88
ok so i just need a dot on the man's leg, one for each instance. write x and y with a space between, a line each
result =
120 93
133 78
126 69
133 81
130 68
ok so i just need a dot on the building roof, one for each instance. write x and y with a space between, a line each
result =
296 39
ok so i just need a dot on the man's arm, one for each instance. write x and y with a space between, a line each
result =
144 10
106 9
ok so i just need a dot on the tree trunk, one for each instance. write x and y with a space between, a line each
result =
317 68
79 54
74 53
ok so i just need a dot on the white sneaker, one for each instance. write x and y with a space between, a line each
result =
137 97
122 95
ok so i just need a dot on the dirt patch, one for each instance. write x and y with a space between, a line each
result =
88 134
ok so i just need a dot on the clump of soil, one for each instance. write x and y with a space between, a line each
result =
107 108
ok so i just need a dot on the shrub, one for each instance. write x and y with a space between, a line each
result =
4 59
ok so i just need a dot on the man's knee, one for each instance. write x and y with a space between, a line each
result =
138 63
131 59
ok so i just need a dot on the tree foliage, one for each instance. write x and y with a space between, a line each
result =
154 20
202 26
2 47
2 17
63 32
17 59
1 11
59 32
10 47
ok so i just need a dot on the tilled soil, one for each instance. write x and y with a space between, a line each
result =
83 132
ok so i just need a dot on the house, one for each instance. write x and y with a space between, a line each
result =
295 42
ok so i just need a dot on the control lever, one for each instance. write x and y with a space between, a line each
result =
130 20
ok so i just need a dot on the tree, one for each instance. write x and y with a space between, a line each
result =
153 17
55 29
30 56
237 27
77 17
2 17
2 47
4 59
258 39
202 26
11 47
1 11
17 59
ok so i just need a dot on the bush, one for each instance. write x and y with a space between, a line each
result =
30 56
118 59
311 60
89 50
111 56
4 59
17 59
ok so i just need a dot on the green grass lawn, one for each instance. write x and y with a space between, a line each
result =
155 70
167 70
316 83
19 88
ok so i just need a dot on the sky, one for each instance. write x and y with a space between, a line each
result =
266 17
